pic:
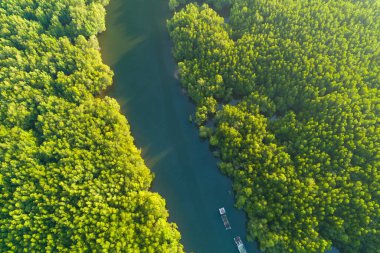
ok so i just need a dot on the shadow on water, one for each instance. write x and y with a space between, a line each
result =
137 47
125 41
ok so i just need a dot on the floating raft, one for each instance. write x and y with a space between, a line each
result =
223 215
240 244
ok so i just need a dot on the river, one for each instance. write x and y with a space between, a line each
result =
137 47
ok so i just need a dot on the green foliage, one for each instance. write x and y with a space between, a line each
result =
61 17
173 4
297 125
202 77
71 179
218 4
205 108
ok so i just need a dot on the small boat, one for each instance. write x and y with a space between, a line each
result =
240 245
223 215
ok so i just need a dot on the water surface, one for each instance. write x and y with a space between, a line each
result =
137 47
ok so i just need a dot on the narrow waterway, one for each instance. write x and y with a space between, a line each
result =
137 47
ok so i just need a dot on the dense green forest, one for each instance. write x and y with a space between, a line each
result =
71 179
287 92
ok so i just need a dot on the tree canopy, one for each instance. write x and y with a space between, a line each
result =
71 179
287 92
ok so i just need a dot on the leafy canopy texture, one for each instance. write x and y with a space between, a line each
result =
71 179
287 92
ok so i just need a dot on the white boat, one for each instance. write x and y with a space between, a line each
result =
223 215
240 245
